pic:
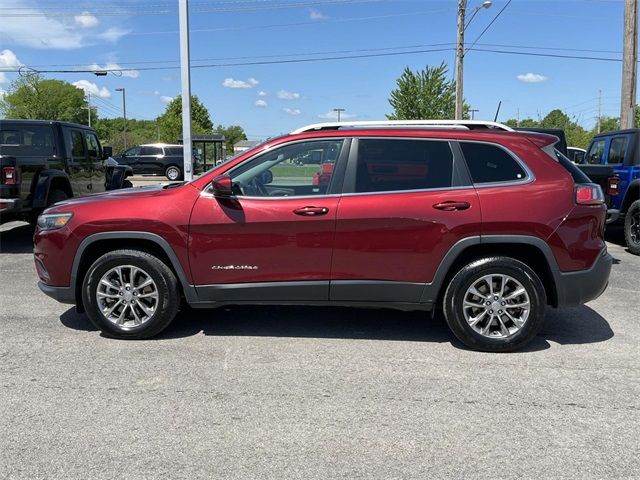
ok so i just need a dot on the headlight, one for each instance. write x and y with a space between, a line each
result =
52 221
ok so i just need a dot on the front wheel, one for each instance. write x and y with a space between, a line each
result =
495 304
173 173
130 294
632 228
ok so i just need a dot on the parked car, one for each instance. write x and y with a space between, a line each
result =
44 162
576 154
158 159
486 223
612 160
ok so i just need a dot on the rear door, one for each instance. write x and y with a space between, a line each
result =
406 203
151 160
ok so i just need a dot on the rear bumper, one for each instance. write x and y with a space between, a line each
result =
61 294
575 288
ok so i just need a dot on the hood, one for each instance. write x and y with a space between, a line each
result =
114 195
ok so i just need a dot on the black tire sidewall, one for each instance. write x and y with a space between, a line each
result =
633 247
166 283
470 274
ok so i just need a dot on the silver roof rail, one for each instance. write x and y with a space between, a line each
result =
466 124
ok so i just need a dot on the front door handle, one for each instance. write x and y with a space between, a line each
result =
450 206
311 211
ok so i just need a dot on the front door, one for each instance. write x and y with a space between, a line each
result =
78 162
406 203
150 160
98 171
275 236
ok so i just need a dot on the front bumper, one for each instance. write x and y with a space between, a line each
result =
575 288
61 294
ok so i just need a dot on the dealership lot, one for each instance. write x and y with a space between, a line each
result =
284 392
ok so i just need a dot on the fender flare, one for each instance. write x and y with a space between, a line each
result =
43 186
634 185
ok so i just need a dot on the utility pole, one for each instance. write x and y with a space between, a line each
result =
89 107
629 64
185 75
599 110
338 110
462 6
124 114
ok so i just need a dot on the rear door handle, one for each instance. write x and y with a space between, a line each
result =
311 211
450 206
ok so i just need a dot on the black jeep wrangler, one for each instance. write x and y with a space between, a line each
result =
43 162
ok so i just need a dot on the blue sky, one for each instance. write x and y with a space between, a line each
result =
271 99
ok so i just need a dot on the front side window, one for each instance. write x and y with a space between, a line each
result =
489 163
304 168
77 145
27 141
617 149
386 165
93 146
596 152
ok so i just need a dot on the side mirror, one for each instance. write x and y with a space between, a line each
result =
107 152
221 186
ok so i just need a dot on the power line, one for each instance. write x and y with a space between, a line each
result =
489 25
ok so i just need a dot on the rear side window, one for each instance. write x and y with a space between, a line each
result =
150 151
595 153
173 150
27 141
617 149
396 165
490 163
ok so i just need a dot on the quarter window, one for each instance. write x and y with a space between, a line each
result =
596 152
27 141
489 163
304 168
394 165
617 149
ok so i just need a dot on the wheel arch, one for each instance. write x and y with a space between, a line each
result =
47 181
532 251
98 244
632 194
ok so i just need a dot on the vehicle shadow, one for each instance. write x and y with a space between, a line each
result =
570 326
16 237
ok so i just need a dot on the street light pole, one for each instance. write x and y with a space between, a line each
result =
338 110
185 74
124 113
462 26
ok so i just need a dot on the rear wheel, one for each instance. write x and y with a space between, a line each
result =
495 304
130 294
632 228
173 173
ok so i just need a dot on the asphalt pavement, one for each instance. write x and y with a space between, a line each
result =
314 393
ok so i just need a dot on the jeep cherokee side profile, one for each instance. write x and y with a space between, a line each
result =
471 217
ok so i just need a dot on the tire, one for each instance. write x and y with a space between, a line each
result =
632 228
173 173
153 313
503 333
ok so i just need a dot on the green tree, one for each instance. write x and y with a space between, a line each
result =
424 95
232 135
170 121
110 131
608 124
33 97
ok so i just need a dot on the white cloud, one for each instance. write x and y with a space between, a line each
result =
331 115
86 20
317 15
232 83
262 93
532 78
261 104
166 99
292 111
35 29
114 66
8 62
92 89
284 95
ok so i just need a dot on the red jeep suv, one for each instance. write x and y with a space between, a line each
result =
489 224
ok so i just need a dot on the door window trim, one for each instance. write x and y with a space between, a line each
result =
337 179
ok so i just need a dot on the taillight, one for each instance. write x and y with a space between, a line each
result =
589 194
613 184
9 176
